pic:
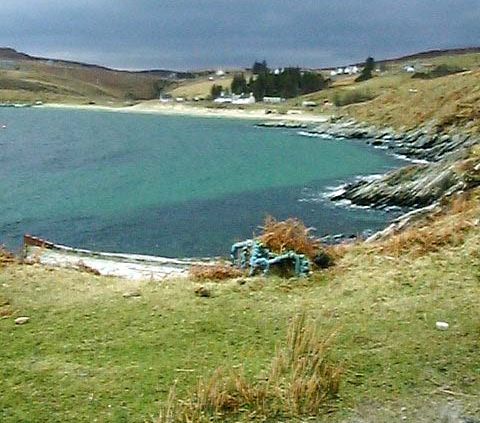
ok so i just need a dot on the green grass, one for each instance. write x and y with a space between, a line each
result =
90 354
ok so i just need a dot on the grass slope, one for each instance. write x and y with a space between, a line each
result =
393 98
30 80
91 354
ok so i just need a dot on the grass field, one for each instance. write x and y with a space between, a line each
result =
92 352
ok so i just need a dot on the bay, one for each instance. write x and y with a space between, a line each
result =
168 185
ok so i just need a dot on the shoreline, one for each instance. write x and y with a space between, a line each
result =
153 107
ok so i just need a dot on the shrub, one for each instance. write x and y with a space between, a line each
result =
292 235
300 380
288 235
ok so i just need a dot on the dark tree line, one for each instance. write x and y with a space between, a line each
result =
288 83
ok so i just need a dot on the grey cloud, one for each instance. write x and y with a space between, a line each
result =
185 34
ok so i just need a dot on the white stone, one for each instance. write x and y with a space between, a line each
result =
441 325
22 320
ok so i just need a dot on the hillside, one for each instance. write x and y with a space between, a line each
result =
106 349
393 98
27 79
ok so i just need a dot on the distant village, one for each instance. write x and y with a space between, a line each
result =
226 96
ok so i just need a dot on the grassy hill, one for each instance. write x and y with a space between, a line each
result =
102 349
26 79
394 98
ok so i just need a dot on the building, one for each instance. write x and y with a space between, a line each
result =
273 100
222 100
241 99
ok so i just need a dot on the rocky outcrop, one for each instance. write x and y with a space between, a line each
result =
411 186
418 185
282 124
425 143
437 153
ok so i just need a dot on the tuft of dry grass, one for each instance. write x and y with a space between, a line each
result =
288 235
6 257
215 273
448 227
300 381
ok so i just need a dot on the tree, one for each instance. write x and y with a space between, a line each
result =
239 84
260 68
215 91
367 70
290 82
311 82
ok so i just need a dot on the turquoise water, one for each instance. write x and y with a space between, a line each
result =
175 186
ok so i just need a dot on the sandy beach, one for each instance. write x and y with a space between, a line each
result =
155 107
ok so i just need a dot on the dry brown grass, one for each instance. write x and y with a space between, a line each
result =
300 381
6 258
215 273
288 235
447 227
408 103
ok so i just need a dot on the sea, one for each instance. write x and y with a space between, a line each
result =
175 186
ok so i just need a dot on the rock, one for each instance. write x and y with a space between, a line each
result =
411 186
132 294
323 260
441 325
202 291
22 320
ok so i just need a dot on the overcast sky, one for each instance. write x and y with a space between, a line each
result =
193 34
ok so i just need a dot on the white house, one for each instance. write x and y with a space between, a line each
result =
409 69
220 73
240 99
273 100
165 98
223 100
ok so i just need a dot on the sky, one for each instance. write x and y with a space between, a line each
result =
210 34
